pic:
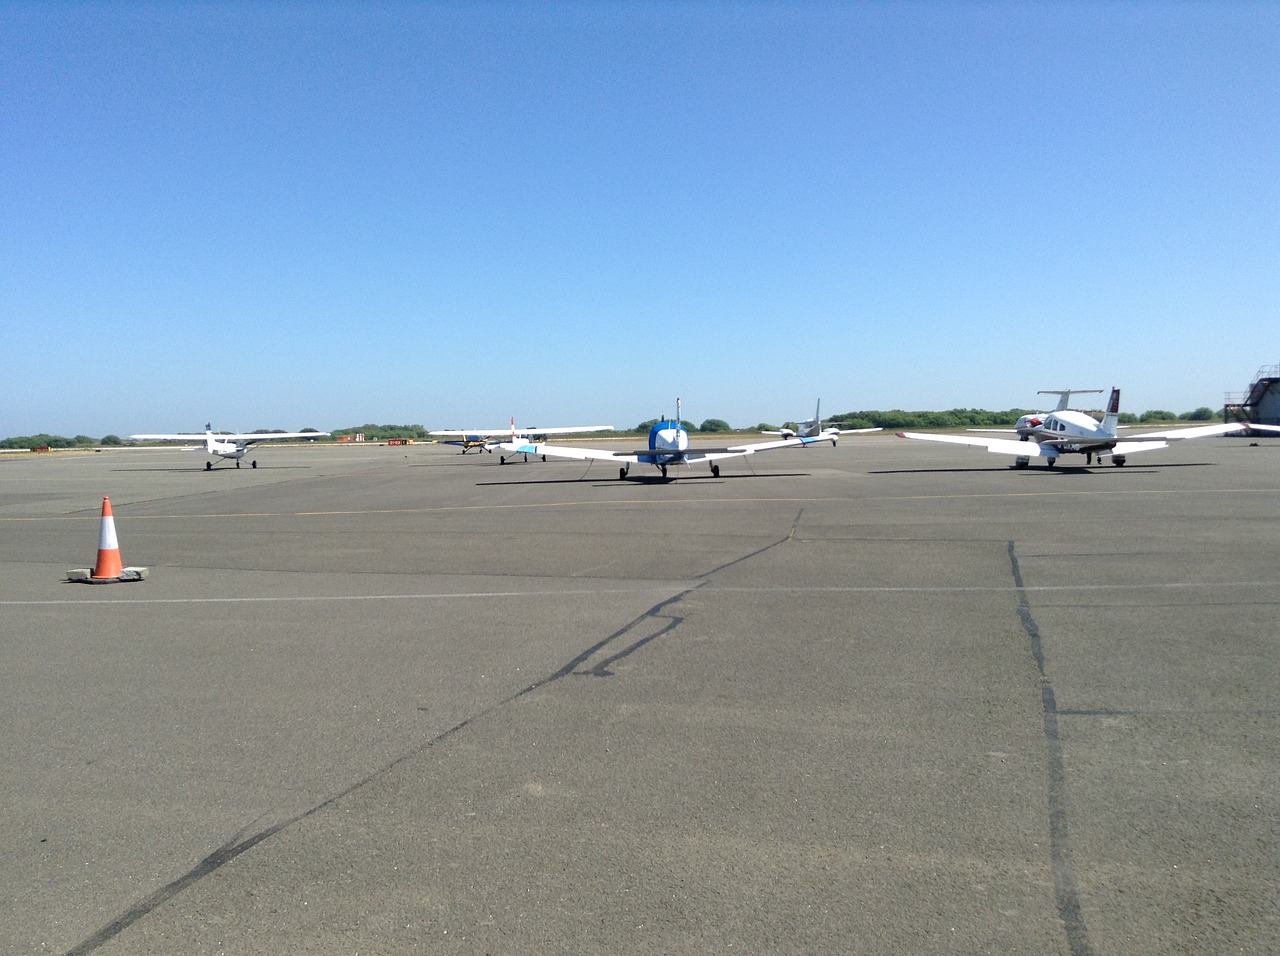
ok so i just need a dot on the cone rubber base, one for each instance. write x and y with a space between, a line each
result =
127 575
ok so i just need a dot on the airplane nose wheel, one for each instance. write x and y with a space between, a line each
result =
237 464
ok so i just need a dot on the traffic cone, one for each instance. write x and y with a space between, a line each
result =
108 569
109 565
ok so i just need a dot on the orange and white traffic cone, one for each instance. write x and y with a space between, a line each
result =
109 569
109 564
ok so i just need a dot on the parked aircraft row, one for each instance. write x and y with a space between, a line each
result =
1047 435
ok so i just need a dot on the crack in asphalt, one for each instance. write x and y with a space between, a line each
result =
1064 884
577 666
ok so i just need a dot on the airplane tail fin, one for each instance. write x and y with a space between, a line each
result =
1113 413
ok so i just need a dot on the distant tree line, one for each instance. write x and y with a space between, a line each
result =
58 441
892 419
383 432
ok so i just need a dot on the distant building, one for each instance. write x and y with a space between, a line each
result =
1260 402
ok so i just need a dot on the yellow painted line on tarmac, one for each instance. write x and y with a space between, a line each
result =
649 503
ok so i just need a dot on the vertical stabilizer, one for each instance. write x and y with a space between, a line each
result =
1113 413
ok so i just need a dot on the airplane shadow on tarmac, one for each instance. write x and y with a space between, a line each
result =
1041 469
642 479
215 470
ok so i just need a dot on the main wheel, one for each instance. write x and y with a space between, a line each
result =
622 474
715 471
208 466
254 463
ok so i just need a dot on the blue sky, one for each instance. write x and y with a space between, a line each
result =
321 215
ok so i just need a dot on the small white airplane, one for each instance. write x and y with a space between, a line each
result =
1068 432
482 438
1027 424
227 446
668 445
812 428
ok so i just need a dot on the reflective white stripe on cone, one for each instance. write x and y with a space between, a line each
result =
109 564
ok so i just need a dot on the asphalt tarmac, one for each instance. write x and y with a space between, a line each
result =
888 697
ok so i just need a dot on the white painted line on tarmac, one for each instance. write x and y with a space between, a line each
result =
598 592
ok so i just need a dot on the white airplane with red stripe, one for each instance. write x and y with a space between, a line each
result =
1070 432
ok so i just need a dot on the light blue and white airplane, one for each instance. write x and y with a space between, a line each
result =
227 446
484 438
813 428
668 445
1070 432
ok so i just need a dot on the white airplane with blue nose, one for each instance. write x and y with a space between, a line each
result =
1070 432
668 445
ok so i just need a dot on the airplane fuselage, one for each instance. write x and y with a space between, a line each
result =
669 441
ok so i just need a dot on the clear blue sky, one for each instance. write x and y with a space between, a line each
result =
321 215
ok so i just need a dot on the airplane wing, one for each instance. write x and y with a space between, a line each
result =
1133 447
693 453
201 436
1003 446
270 436
506 432
856 431
1201 431
566 451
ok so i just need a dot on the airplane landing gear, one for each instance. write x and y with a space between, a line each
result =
715 471
254 463
208 466
1022 461
237 462
622 472
1118 460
